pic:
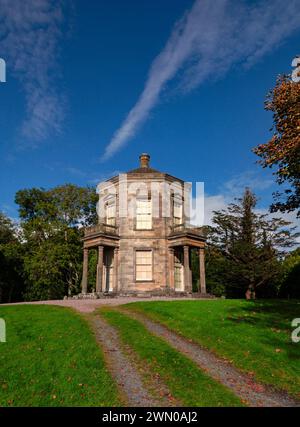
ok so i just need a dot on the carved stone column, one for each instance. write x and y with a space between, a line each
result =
116 264
99 277
85 271
171 269
186 263
202 271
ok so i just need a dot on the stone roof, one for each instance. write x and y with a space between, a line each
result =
144 170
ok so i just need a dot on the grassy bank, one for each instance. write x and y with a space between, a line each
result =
254 336
186 382
51 359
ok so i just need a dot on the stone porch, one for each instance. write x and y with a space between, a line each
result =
181 240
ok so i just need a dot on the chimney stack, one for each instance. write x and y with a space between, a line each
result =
144 160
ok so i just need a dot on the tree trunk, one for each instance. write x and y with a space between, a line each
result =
250 293
11 292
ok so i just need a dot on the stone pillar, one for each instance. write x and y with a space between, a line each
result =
116 263
99 277
202 271
85 271
186 263
171 269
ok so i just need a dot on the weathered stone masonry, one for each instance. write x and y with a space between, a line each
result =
145 252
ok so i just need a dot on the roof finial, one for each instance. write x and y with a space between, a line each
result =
144 160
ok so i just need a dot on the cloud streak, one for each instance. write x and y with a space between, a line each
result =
207 42
30 32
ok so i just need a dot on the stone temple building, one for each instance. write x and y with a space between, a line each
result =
143 237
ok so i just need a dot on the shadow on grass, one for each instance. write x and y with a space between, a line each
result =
273 318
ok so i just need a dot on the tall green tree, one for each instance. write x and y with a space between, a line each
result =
11 262
52 222
67 204
249 245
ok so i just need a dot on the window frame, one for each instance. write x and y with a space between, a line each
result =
111 202
176 199
135 264
143 199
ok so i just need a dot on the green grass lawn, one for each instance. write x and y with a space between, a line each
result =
255 336
186 382
51 359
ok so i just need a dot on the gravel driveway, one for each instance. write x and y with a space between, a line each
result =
89 305
251 392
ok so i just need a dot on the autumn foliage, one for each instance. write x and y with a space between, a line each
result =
283 149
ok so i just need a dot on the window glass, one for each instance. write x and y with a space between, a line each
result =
143 214
110 213
177 211
143 265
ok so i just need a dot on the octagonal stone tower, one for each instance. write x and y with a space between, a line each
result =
143 237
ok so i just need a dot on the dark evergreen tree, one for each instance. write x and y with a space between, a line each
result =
249 246
290 284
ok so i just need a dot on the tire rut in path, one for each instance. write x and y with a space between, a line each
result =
249 391
122 369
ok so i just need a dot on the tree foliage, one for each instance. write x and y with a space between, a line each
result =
11 262
67 205
246 247
290 284
52 223
283 149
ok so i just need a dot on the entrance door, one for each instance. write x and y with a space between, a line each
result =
108 270
178 271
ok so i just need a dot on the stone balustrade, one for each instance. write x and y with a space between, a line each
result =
105 229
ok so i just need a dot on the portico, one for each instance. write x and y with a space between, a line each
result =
104 238
182 240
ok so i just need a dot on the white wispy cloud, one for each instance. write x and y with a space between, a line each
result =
30 32
207 42
235 186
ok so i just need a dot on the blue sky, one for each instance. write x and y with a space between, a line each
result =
91 85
